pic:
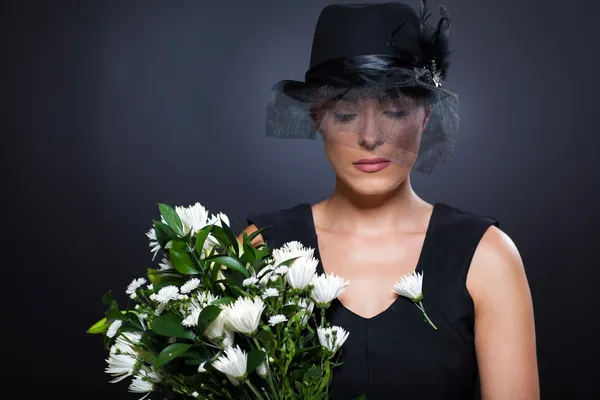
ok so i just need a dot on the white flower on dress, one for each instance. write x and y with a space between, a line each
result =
167 294
277 319
114 328
302 272
133 286
270 292
326 288
154 246
233 364
332 338
190 285
411 287
244 314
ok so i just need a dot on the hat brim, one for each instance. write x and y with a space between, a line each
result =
308 92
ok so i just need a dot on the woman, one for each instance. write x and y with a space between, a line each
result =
374 95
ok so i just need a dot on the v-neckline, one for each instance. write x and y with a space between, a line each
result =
418 267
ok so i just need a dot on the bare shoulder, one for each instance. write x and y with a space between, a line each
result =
504 320
496 266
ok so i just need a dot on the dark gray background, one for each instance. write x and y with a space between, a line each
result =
109 107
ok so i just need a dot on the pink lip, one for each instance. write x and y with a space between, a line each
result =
371 164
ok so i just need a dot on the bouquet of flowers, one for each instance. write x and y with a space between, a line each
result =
222 319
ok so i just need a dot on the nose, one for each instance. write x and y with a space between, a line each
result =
370 137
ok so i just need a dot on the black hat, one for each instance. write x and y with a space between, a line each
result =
370 44
374 45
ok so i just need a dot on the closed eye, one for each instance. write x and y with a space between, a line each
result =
344 118
396 114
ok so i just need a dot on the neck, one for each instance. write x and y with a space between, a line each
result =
372 215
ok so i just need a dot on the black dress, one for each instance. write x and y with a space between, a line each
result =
396 354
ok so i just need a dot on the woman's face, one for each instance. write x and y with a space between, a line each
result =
372 141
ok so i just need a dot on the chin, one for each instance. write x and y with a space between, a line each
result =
377 183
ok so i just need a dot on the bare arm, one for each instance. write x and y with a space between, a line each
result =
249 230
504 321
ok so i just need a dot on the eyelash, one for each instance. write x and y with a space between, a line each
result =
346 118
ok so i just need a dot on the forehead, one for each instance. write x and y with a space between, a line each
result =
360 95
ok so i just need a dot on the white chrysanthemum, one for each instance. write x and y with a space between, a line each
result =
217 328
195 394
291 250
123 356
326 288
253 280
150 287
201 367
133 286
143 382
125 343
120 365
332 338
154 246
410 286
165 264
167 294
218 220
114 328
194 217
281 270
270 292
233 364
244 314
277 319
190 285
302 272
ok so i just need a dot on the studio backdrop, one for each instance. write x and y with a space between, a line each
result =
110 107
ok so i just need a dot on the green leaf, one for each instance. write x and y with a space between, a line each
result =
169 324
171 352
99 327
201 238
233 242
361 397
107 298
266 338
232 263
171 218
222 301
181 259
313 376
291 309
207 316
255 358
164 233
258 232
113 313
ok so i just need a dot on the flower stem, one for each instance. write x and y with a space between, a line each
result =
420 305
254 390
